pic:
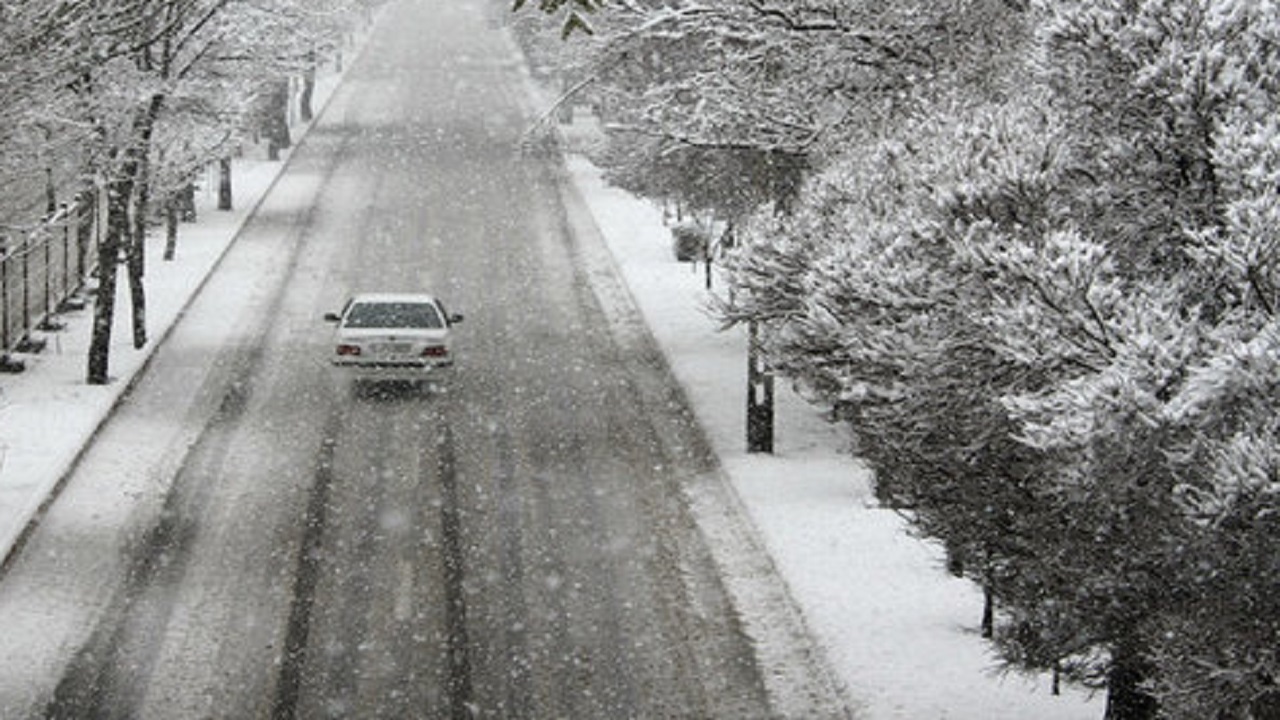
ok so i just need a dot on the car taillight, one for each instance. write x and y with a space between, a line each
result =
436 351
345 349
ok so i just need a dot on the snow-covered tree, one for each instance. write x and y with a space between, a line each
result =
1053 319
725 105
39 153
136 96
1172 416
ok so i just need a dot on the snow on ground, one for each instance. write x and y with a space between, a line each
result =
900 633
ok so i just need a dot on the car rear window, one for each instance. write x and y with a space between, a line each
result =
393 315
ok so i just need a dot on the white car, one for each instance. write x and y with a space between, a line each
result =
392 336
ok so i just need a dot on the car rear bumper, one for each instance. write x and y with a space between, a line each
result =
397 371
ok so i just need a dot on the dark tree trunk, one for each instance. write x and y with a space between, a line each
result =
50 193
171 215
138 253
308 89
137 267
123 235
85 228
1126 700
224 184
988 613
108 261
955 558
277 120
138 297
186 203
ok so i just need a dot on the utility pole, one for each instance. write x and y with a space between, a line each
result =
759 395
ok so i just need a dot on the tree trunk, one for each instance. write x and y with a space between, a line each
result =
86 226
50 193
759 396
224 184
171 215
308 88
104 306
123 235
277 120
138 255
955 558
1126 699
988 613
136 266
186 203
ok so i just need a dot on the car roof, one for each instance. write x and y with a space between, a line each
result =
386 297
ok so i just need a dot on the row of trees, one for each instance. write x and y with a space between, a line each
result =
116 106
1032 251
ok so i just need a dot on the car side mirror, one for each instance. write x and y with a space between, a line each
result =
332 317
455 318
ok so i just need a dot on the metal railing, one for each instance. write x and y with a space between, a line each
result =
40 269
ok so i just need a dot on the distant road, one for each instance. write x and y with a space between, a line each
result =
515 546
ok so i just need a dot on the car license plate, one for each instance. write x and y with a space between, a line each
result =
390 348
